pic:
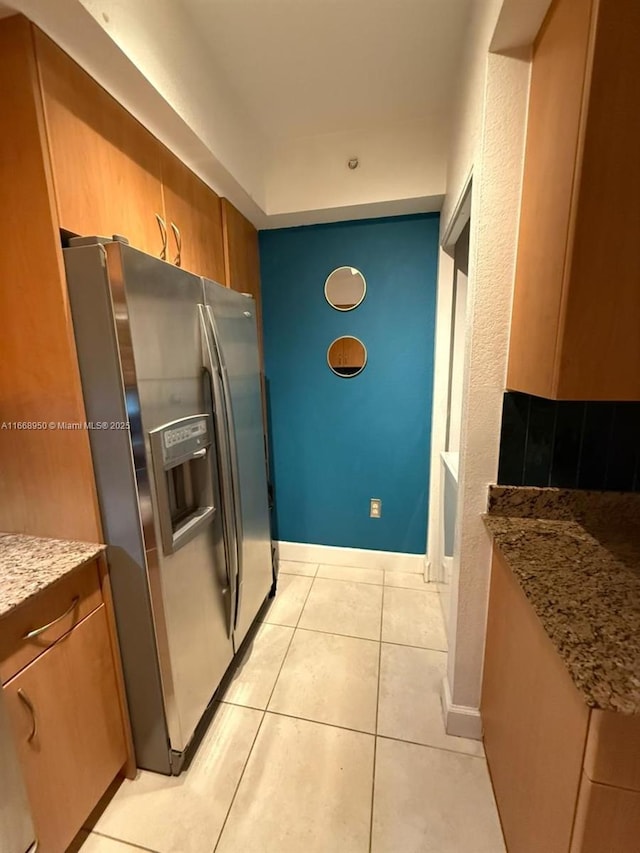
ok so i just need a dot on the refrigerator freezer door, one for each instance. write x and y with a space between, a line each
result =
235 334
139 316
125 507
213 377
189 603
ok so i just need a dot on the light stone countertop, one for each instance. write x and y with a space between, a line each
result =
29 564
576 556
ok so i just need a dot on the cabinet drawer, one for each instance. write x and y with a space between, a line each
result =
56 609
612 756
607 819
68 730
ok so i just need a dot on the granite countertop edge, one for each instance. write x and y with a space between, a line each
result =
579 568
31 564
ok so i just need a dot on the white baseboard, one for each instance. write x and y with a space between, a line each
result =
301 552
460 720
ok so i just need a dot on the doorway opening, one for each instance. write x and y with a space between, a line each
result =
451 334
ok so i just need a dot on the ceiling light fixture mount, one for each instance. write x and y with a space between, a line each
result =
353 163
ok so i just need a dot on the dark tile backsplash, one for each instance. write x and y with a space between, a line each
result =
582 445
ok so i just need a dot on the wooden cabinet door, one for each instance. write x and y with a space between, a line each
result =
553 129
194 220
600 358
242 273
353 353
106 166
535 723
576 305
335 354
46 479
242 258
68 728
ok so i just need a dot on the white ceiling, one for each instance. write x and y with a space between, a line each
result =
307 67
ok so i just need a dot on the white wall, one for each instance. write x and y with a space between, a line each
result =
494 229
406 161
488 141
466 131
161 41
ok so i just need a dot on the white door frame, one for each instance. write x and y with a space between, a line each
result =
441 367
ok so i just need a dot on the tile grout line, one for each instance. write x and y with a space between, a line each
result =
375 736
354 637
293 633
362 732
264 714
370 583
266 711
439 748
118 841
240 778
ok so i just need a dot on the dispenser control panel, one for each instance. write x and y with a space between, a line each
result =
183 438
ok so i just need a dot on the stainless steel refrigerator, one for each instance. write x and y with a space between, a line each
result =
171 381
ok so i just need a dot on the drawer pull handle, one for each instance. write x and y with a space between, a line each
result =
34 723
37 631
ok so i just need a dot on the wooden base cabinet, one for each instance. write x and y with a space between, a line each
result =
535 723
64 695
607 819
561 772
65 713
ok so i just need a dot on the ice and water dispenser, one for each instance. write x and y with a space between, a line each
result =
183 474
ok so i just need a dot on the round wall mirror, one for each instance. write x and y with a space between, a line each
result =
347 356
345 288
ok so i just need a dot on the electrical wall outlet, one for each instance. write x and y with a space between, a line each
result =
375 508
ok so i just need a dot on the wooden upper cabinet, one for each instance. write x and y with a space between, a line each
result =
46 479
106 166
576 311
242 257
354 353
194 220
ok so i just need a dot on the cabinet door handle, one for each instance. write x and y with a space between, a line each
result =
34 722
162 225
178 239
37 631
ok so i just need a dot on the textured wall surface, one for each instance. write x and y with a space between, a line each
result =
467 125
488 142
336 442
495 208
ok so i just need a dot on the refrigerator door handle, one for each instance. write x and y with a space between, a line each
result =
211 372
234 463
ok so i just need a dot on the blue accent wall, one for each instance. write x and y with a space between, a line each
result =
336 443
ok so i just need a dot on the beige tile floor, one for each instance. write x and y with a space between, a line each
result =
329 738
